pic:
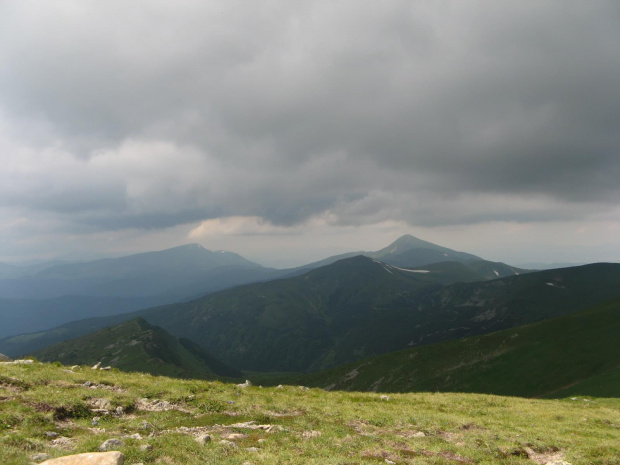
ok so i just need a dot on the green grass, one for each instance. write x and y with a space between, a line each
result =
312 426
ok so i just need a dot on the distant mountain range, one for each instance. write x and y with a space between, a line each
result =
176 273
356 308
42 296
411 316
407 251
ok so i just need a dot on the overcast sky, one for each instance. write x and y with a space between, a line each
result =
290 130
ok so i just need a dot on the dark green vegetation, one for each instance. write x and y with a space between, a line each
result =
578 354
138 346
49 409
358 308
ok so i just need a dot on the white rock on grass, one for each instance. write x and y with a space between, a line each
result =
91 458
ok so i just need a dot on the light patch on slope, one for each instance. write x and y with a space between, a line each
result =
555 285
410 271
496 273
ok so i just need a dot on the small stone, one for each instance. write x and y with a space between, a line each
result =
51 434
252 449
310 434
119 410
96 366
279 386
203 439
261 441
226 443
384 397
106 368
246 384
103 404
389 461
39 457
419 434
62 442
136 436
146 447
111 444
236 436
96 421
87 384
90 458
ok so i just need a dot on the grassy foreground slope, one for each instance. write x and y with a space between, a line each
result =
47 409
570 355
138 346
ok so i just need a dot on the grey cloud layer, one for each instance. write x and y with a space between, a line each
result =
119 114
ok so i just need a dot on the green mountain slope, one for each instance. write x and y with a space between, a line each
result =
578 354
359 307
138 346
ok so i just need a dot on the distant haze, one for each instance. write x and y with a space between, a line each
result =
288 131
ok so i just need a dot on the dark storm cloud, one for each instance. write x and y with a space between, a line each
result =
152 114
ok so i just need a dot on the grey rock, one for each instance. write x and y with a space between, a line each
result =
203 439
146 447
111 444
51 434
39 457
226 443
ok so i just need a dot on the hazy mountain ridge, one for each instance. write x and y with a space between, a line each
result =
177 273
19 316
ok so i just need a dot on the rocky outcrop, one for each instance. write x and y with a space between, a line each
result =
91 458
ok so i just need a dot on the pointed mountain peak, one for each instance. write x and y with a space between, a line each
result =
407 242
